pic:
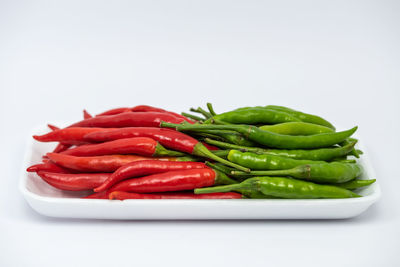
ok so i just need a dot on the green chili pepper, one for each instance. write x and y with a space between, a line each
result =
265 161
333 172
303 116
271 139
283 188
230 136
356 184
324 154
254 115
296 128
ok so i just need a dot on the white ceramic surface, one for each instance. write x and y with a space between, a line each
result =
49 201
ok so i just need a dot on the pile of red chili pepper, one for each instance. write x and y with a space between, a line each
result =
146 152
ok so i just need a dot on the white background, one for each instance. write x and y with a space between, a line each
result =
339 59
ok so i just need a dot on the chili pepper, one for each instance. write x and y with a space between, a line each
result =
334 172
283 188
324 154
254 115
120 195
100 195
303 116
229 136
355 184
61 147
169 138
86 114
146 167
129 119
173 181
108 163
48 167
74 182
272 139
296 128
143 146
142 108
265 161
52 127
73 135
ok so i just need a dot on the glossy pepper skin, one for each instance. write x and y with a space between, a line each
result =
355 184
255 115
320 154
129 119
142 108
74 182
166 137
297 128
73 135
305 117
146 167
265 162
333 172
172 181
48 167
271 139
120 195
108 163
283 188
143 146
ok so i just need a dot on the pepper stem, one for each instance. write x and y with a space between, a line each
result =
211 109
217 189
191 116
233 146
200 150
206 114
162 151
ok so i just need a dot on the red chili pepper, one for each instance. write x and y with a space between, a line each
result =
167 137
146 167
129 119
47 166
172 181
86 115
74 182
120 195
101 195
52 127
61 147
143 108
143 146
73 135
108 163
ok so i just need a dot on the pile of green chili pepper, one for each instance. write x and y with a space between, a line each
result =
144 152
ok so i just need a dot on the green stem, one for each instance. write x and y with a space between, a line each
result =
217 189
233 146
211 109
202 151
191 116
206 114
162 151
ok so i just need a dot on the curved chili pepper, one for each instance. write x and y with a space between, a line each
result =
284 188
333 172
169 138
74 182
143 146
146 167
310 154
73 135
107 163
48 167
129 119
355 184
120 195
173 181
53 127
143 108
61 147
86 114
266 161
303 116
271 139
297 128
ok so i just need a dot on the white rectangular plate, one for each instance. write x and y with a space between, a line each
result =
50 201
